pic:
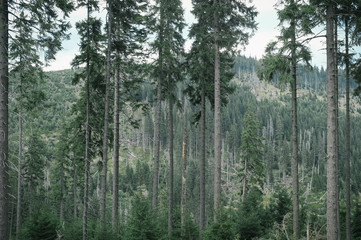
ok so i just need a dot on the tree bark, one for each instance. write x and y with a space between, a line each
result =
170 209
20 159
62 187
157 118
184 184
4 84
116 152
244 180
217 118
348 136
202 177
31 197
332 175
295 197
75 200
87 139
156 143
106 125
337 137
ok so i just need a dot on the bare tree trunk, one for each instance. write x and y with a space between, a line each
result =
87 140
348 144
116 153
336 104
62 183
106 125
11 217
295 197
244 180
202 219
156 144
308 231
332 228
295 159
4 84
170 209
217 118
157 122
31 197
184 184
75 200
20 159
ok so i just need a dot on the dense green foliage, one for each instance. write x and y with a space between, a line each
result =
52 144
263 213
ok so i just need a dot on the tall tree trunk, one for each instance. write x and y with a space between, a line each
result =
202 177
332 175
156 143
217 118
244 180
62 187
295 199
337 137
87 139
348 144
31 197
116 152
4 84
184 183
170 209
157 118
13 205
20 159
75 200
106 124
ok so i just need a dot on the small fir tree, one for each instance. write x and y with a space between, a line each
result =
142 224
251 153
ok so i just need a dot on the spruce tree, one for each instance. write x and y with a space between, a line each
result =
232 24
106 116
201 56
184 181
332 171
47 33
141 224
4 81
349 13
128 34
28 69
90 54
169 46
251 153
282 57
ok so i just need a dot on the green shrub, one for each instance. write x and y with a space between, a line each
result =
223 228
142 224
42 227
73 230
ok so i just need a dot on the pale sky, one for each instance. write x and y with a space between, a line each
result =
267 31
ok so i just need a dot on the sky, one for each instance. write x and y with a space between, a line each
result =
267 32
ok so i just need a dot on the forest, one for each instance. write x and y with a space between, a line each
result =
145 139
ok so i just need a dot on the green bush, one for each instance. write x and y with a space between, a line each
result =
73 230
42 227
142 224
191 228
252 218
223 228
105 234
356 221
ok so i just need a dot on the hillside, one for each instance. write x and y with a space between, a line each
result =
58 123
